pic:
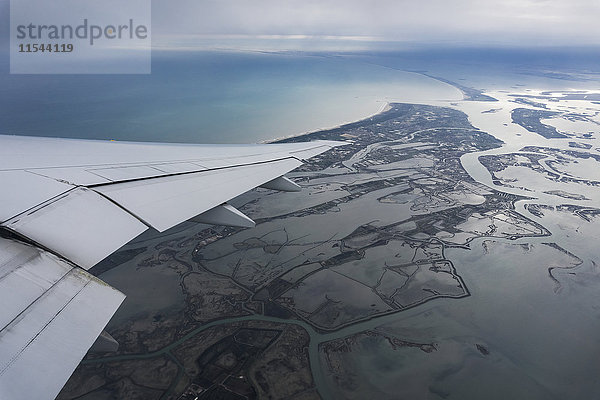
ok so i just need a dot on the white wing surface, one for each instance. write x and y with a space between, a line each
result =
67 204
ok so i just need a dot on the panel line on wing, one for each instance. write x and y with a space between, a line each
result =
33 278
51 311
71 222
39 298
192 172
167 201
107 165
16 262
23 191
46 324
116 204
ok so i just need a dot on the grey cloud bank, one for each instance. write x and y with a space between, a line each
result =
360 25
508 22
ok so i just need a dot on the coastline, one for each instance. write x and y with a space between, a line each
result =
462 90
386 107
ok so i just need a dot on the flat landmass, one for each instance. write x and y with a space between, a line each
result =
366 237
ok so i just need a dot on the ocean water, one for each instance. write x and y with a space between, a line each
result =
500 68
210 97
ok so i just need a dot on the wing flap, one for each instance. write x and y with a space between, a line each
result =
55 330
25 268
167 201
80 225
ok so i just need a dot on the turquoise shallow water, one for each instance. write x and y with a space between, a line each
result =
202 97
236 97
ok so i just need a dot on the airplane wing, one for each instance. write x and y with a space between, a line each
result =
67 204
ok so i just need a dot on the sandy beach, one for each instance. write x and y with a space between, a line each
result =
385 108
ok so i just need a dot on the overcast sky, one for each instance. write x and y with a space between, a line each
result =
368 24
504 22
